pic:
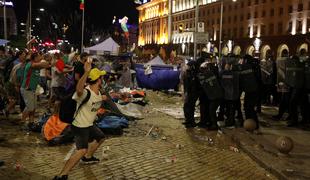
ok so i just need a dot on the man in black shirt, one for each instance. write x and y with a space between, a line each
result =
79 67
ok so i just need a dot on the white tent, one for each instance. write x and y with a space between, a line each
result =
109 46
3 42
156 61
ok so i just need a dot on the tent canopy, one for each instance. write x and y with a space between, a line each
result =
156 61
109 46
3 42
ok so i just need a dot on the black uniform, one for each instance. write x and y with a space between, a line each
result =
294 78
209 81
249 78
193 91
306 94
230 84
267 80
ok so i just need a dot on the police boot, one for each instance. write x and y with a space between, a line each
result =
189 124
213 127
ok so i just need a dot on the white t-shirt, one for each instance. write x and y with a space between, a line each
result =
88 112
43 70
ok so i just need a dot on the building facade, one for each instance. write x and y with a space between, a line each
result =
153 22
11 20
275 27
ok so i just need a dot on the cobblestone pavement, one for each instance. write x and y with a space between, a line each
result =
262 148
168 152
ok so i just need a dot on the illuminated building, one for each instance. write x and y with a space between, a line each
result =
10 19
153 22
277 27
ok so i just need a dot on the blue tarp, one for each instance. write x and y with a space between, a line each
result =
163 77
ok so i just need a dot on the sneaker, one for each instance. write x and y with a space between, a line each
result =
63 177
89 160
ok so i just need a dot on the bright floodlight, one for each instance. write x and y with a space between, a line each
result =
37 19
42 9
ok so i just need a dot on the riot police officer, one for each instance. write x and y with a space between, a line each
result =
230 83
266 66
209 80
193 92
306 94
294 78
249 78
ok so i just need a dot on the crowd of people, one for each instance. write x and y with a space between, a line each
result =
27 76
219 86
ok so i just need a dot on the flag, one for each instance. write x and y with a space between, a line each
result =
82 5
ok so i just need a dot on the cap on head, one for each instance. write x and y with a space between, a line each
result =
95 74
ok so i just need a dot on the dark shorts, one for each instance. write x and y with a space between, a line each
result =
83 136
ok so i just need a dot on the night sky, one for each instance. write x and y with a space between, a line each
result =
99 13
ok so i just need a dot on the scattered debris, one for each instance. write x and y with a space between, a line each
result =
18 166
179 146
104 154
232 148
164 138
150 131
289 170
211 142
172 159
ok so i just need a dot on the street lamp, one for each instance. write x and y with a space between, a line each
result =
42 9
221 27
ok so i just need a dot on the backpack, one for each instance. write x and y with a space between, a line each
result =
68 110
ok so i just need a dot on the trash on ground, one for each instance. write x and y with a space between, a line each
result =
289 170
164 138
104 154
18 166
232 148
179 146
172 159
148 133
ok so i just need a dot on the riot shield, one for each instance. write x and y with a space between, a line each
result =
281 66
307 75
294 73
210 85
248 81
266 71
230 84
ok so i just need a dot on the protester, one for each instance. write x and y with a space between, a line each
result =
30 83
14 83
78 67
83 125
58 82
